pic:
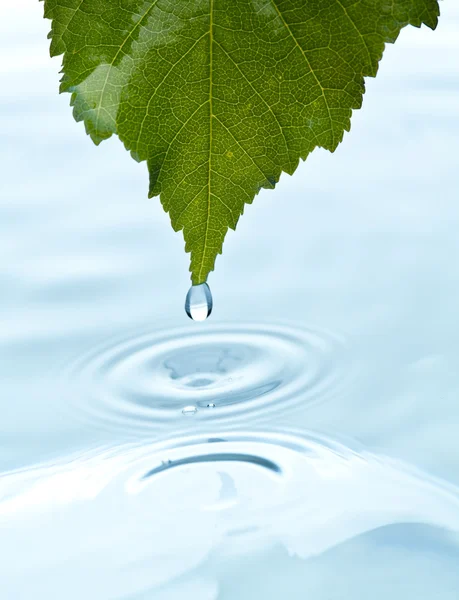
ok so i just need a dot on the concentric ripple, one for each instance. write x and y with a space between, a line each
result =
221 372
156 514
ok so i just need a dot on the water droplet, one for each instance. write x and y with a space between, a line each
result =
189 411
211 405
198 303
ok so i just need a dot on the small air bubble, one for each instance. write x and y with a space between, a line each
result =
211 405
189 411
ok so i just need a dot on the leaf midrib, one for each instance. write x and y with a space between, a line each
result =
211 44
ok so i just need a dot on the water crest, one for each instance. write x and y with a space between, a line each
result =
272 498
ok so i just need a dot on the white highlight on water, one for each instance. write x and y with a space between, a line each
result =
189 411
198 302
240 496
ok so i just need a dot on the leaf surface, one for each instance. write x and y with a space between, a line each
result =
221 96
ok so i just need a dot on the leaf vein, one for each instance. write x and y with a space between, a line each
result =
129 35
286 25
259 95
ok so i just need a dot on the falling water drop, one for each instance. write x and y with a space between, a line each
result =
198 303
189 411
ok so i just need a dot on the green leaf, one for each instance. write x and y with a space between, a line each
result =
221 96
